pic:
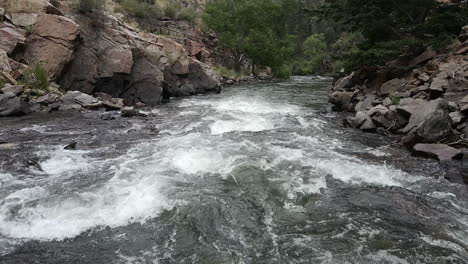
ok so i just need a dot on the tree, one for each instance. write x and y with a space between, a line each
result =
254 29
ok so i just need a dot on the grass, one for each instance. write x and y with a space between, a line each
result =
37 77
226 72
25 5
92 6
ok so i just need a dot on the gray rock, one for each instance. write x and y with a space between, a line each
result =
76 97
24 19
109 115
453 107
435 128
464 104
416 110
359 119
387 102
392 86
131 112
366 103
439 84
47 99
15 89
345 83
379 109
438 151
382 121
113 104
70 107
11 105
341 100
4 62
456 118
368 125
424 57
2 12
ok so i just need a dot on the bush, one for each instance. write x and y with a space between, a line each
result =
36 78
226 72
187 14
142 9
92 6
282 72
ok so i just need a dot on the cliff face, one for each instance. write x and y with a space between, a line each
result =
428 105
101 55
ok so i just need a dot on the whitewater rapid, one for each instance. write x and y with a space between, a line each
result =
307 190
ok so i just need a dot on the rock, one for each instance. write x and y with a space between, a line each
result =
10 39
15 89
366 103
70 107
464 104
392 86
380 109
24 19
47 99
341 100
456 118
368 125
113 104
8 146
438 151
424 57
51 9
452 106
345 83
53 43
4 62
76 97
11 105
382 121
416 110
109 115
435 128
131 112
2 12
202 77
71 146
363 121
439 85
148 129
387 102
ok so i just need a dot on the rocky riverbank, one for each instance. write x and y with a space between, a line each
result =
426 108
119 65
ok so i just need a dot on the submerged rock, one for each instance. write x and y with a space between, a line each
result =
438 151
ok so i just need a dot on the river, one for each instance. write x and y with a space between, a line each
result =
260 173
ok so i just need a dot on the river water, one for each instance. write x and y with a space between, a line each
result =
257 174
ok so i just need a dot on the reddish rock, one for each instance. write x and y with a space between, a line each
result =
57 27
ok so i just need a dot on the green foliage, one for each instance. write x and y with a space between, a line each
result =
395 100
92 6
146 10
36 78
255 29
226 72
2 82
282 71
394 28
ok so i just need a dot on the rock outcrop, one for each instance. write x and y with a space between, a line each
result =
427 106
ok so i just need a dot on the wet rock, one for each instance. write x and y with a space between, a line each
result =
11 105
76 97
131 112
368 125
47 99
441 152
71 146
113 104
109 116
15 89
147 129
341 100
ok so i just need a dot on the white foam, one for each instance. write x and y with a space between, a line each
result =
65 162
201 160
357 173
253 124
36 128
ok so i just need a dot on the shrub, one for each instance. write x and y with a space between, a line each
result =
36 78
92 6
282 72
142 9
226 72
187 14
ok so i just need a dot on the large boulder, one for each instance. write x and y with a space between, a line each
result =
345 83
416 110
53 43
11 38
76 97
4 62
441 152
11 105
23 19
342 101
393 86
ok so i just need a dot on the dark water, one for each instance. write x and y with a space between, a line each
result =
257 174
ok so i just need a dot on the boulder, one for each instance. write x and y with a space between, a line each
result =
76 97
424 57
10 38
363 121
416 110
4 62
14 89
53 44
435 128
379 109
366 103
341 100
464 104
439 85
387 102
441 152
47 99
392 86
345 83
456 118
131 112
382 121
202 77
23 19
11 105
